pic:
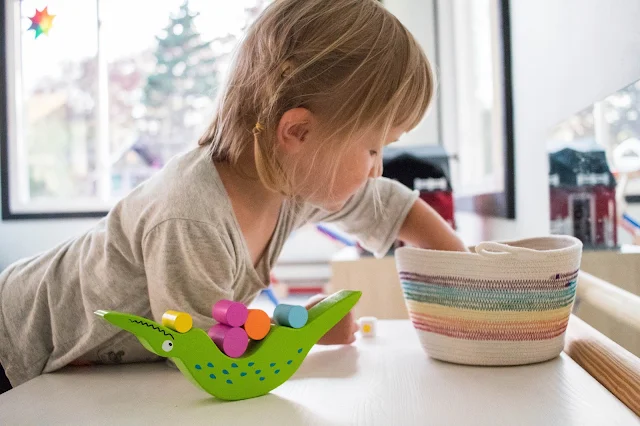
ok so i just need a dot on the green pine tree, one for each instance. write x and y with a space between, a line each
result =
184 80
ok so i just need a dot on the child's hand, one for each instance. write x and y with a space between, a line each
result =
343 333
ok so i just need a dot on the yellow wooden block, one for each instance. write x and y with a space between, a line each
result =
178 321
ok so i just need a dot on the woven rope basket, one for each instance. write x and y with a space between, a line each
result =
502 304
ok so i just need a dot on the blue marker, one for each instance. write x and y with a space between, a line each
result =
336 236
631 220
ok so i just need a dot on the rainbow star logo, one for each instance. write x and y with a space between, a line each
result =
41 22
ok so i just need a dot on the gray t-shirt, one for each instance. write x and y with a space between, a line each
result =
172 243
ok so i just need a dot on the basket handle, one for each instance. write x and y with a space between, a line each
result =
492 248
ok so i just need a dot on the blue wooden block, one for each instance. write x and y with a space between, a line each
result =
294 316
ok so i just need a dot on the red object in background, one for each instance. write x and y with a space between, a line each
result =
586 212
441 202
425 169
582 193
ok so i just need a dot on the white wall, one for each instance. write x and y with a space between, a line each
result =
566 55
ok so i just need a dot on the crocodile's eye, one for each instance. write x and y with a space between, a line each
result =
167 345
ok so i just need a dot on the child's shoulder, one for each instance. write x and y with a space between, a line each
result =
186 188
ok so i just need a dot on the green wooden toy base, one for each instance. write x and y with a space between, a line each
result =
265 365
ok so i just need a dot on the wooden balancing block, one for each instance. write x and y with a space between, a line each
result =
265 365
236 325
233 341
230 313
290 315
228 334
178 321
257 325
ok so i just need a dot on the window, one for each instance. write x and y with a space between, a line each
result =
419 18
594 159
84 121
103 100
614 124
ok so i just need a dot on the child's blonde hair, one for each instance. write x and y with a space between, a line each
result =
350 62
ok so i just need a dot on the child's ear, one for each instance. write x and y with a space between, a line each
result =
294 128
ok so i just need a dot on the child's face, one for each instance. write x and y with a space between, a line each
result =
361 160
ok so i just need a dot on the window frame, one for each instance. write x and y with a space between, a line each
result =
501 204
4 101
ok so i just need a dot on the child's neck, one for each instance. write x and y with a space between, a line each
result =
245 189
256 208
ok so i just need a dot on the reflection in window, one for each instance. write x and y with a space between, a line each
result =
601 163
614 123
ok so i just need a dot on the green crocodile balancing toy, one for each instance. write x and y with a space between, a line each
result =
264 366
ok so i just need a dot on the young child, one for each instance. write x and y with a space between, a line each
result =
317 89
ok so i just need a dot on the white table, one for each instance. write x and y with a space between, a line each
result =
386 380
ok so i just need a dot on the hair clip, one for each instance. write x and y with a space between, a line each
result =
258 128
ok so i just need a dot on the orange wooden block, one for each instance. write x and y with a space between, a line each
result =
257 324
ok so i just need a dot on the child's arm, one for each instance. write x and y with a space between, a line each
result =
398 213
425 228
385 210
343 332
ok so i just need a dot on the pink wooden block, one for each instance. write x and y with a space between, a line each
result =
233 341
230 313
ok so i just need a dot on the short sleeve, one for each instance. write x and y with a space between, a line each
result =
188 268
373 215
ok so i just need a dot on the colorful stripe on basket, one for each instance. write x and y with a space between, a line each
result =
488 330
508 300
496 316
557 281
498 310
